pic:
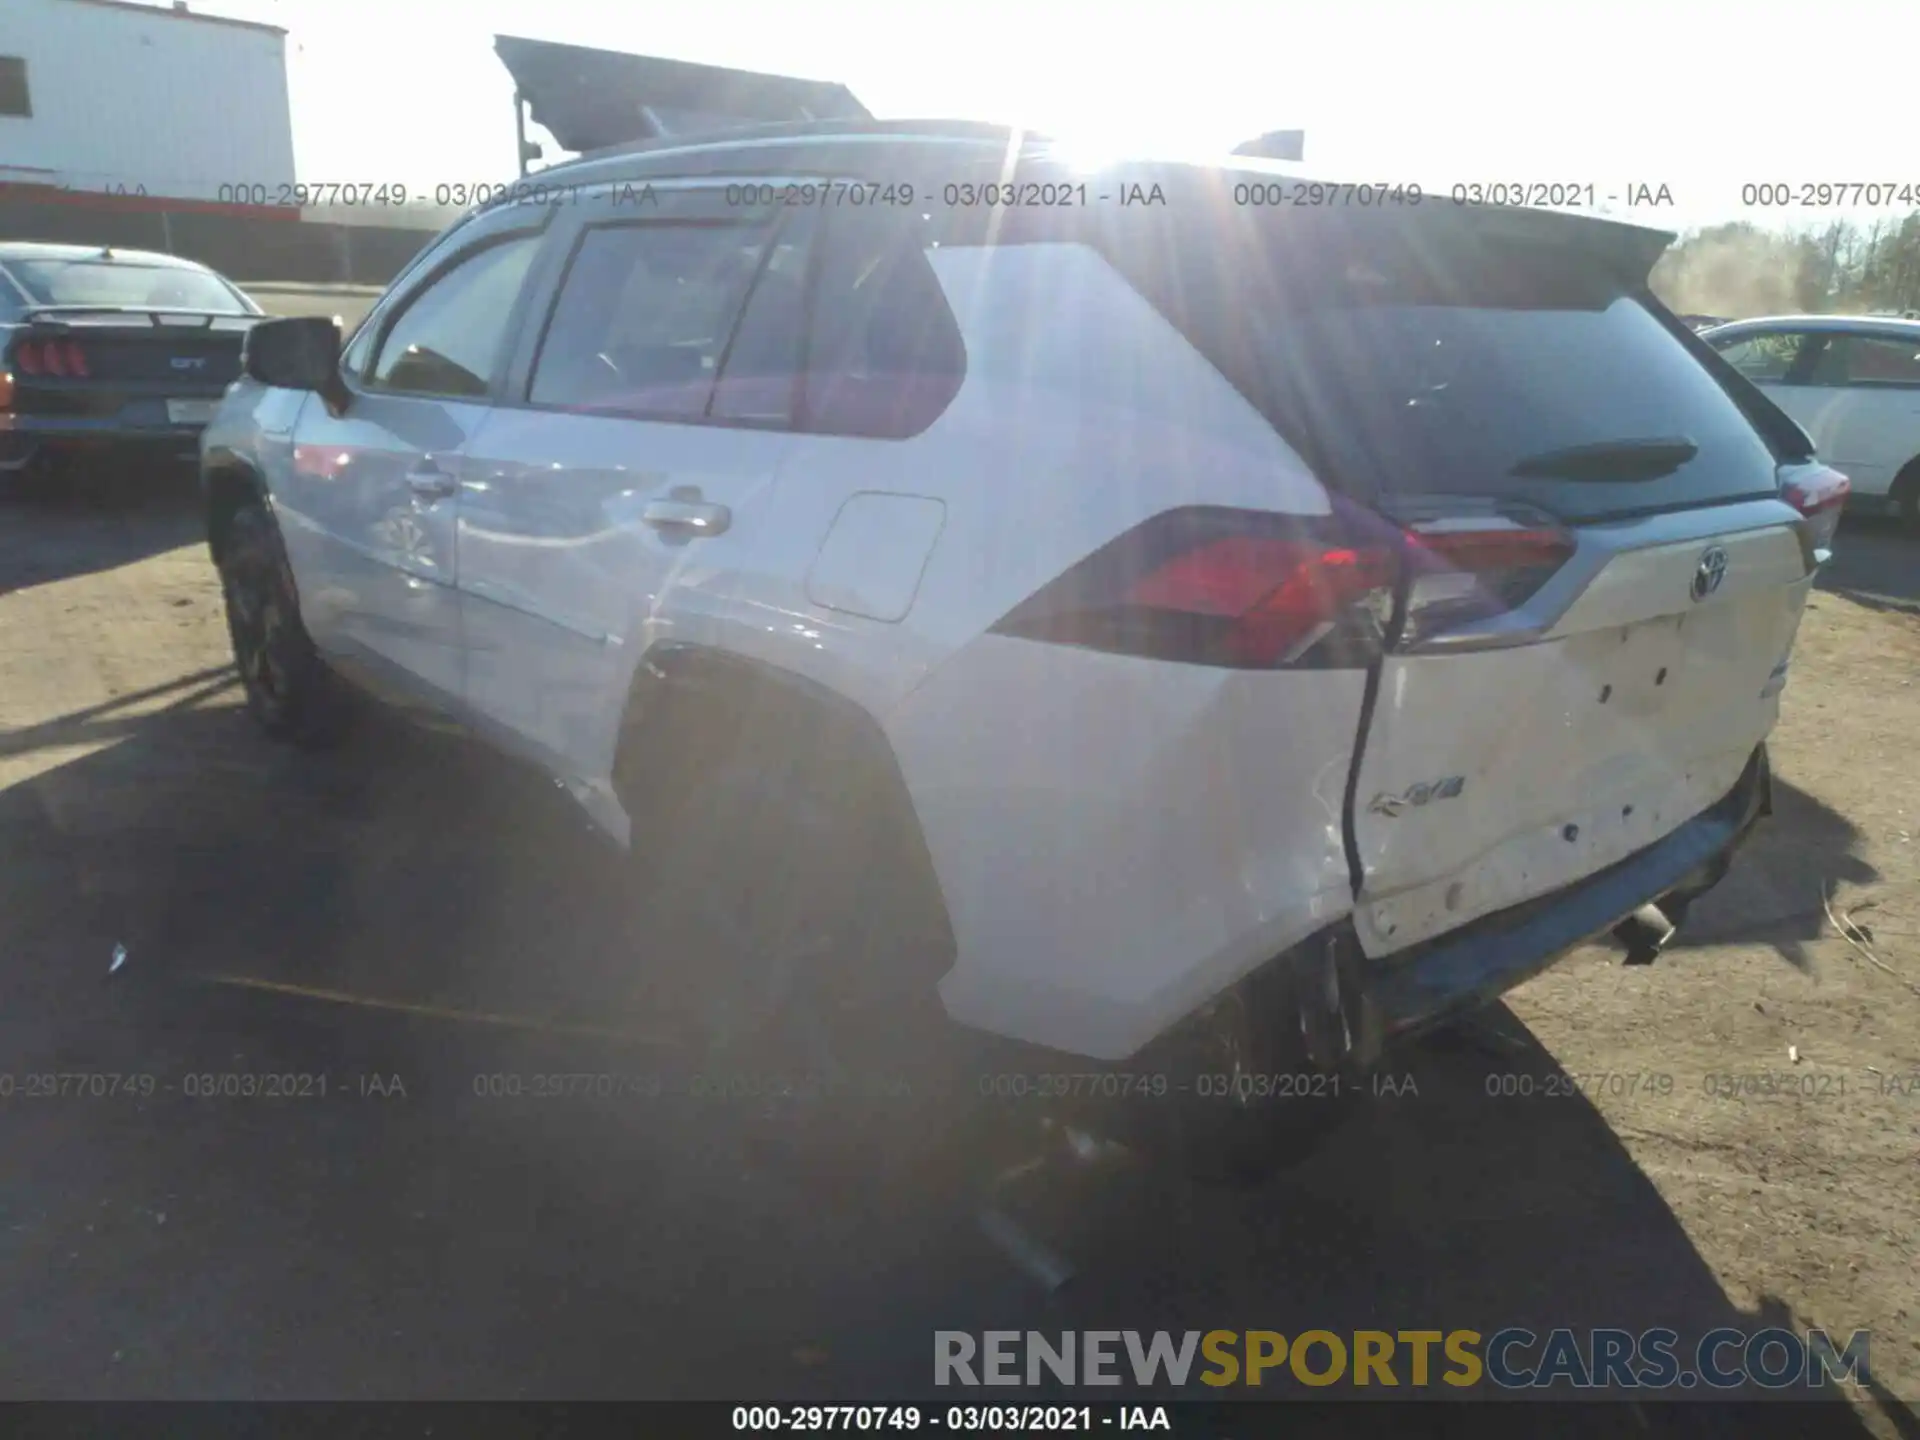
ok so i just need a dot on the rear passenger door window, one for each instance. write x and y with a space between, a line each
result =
827 321
760 376
885 353
644 316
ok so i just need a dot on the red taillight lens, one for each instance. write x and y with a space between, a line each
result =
1233 588
63 359
1476 567
1488 552
1252 590
1278 596
6 391
1818 492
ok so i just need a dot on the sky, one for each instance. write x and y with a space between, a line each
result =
1700 98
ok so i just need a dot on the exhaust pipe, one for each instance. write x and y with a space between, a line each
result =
1645 933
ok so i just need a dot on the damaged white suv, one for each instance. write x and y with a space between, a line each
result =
1166 629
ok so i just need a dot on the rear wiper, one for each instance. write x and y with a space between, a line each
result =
1647 459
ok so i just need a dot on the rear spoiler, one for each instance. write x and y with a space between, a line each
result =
132 314
1626 251
596 99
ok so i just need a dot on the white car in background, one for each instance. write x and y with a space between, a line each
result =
1853 383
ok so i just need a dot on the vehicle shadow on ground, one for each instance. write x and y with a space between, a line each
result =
464 1240
1773 894
107 522
1875 565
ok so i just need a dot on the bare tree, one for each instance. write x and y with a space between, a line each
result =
1740 269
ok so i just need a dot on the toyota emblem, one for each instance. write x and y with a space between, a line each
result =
1710 572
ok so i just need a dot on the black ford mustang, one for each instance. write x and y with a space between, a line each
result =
110 355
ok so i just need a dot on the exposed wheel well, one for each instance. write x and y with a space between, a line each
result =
229 488
1907 482
691 710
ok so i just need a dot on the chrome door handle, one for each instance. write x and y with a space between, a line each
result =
696 516
431 484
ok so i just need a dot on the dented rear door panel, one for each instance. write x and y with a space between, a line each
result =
1501 767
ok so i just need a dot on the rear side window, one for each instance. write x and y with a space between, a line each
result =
885 356
1765 358
644 316
834 324
450 335
1411 357
1867 360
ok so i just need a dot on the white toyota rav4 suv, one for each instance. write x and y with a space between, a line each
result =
1135 613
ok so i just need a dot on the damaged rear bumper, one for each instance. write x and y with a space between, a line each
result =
1347 1008
1417 989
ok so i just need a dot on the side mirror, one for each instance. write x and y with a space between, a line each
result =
299 353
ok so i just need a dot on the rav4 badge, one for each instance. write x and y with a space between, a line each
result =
1390 805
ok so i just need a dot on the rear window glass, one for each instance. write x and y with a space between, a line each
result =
115 282
644 316
1412 357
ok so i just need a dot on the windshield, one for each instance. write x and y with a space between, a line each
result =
116 282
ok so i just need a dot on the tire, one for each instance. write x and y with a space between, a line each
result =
1247 1102
1906 498
768 948
38 483
290 692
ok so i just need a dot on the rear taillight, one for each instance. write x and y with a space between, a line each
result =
1252 590
6 390
1470 568
1235 588
1819 493
63 359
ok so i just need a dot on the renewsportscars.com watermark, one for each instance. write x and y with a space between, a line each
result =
1510 1359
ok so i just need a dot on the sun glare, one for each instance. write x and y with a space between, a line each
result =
1091 148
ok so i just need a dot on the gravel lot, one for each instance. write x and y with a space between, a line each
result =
402 917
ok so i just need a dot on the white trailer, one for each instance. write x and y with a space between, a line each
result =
116 98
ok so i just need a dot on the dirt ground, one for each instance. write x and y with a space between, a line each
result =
137 807
1804 1197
